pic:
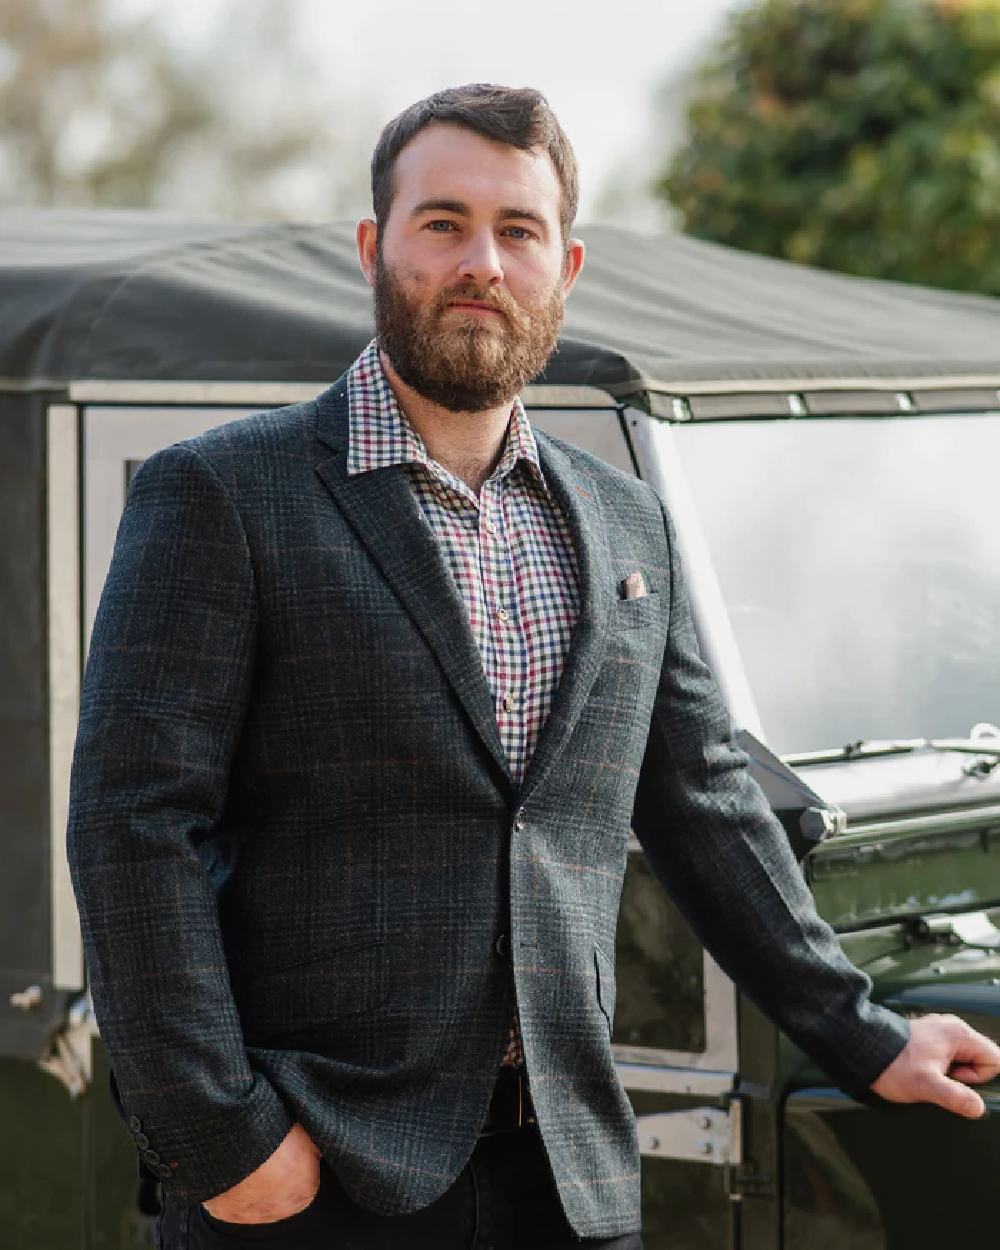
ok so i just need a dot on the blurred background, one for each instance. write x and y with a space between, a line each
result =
859 135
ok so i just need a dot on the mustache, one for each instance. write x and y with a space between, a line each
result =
501 301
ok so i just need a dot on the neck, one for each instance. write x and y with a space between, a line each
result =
467 444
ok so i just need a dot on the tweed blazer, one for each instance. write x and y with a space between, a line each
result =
310 889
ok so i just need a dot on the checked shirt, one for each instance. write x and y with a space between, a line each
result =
509 551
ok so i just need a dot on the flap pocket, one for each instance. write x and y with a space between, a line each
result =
334 985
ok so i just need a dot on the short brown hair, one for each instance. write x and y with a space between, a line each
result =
518 116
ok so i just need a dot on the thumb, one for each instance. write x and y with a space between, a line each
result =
953 1096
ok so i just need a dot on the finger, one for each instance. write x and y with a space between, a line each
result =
976 1049
971 1073
953 1096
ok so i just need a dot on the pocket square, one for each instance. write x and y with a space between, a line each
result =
633 586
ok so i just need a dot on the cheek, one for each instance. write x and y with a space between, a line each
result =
535 290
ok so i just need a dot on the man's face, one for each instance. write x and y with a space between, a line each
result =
470 270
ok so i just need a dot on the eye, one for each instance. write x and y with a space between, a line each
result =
441 221
520 233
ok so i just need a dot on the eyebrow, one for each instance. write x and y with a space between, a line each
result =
461 209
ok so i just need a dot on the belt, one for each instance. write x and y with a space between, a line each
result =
510 1107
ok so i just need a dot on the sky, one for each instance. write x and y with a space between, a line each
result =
599 64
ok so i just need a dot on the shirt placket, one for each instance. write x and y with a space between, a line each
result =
509 650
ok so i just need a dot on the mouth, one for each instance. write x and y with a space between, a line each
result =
472 307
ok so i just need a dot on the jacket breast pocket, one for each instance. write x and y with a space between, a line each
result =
636 613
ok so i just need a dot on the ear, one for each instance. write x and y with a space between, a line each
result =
366 235
575 252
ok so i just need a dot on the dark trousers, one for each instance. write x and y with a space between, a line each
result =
504 1199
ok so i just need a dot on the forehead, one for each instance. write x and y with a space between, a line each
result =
444 161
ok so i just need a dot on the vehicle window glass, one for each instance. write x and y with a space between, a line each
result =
595 430
859 560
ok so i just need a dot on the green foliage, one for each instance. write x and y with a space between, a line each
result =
859 135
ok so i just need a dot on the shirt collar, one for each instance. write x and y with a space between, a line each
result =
380 435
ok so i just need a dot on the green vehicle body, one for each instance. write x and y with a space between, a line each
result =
746 1145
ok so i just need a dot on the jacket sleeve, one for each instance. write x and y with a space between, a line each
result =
716 846
164 695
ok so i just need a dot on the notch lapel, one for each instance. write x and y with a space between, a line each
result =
577 495
381 509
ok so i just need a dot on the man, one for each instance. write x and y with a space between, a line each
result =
377 687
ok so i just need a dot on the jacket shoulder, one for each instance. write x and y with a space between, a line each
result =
270 430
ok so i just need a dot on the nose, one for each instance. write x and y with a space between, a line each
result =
480 262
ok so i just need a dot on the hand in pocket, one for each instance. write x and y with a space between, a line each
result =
284 1184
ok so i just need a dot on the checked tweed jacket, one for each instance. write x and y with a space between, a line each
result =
295 840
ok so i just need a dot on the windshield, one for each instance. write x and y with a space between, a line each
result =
860 563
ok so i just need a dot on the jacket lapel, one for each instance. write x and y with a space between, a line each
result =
577 495
381 508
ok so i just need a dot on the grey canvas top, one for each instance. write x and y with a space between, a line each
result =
149 296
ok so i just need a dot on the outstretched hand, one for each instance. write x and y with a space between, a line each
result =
939 1062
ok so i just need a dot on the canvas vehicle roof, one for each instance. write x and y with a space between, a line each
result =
151 296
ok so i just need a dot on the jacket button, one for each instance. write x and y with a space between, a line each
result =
163 1172
141 1140
502 946
151 1157
520 819
134 1123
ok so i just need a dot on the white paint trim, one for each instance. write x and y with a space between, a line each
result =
242 393
669 1080
63 503
271 393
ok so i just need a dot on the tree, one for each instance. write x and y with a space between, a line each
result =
97 109
859 135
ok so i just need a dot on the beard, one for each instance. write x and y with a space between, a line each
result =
464 363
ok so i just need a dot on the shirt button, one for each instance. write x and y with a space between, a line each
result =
151 1157
503 615
520 819
502 946
163 1172
142 1141
491 529
134 1123
508 703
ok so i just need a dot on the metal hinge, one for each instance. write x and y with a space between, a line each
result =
703 1134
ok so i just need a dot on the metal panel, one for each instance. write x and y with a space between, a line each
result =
857 403
724 407
971 399
846 382
28 1007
